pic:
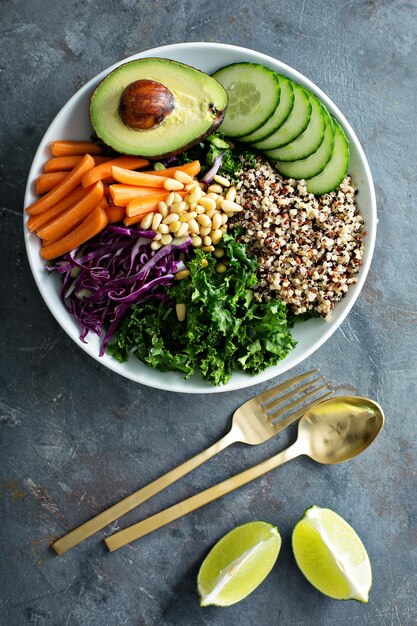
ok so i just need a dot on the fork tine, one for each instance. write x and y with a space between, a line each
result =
271 393
273 403
295 416
297 401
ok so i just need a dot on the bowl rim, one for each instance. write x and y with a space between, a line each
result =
245 380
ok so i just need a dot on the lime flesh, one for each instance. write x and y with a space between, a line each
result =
331 556
238 563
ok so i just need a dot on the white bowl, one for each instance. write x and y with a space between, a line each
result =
72 122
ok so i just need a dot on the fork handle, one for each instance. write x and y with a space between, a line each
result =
146 526
76 536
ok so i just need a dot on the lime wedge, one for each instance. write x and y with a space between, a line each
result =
238 563
331 556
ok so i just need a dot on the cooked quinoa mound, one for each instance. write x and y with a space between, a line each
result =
309 248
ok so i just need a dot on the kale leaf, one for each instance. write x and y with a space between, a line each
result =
225 328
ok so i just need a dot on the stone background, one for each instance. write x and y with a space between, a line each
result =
75 437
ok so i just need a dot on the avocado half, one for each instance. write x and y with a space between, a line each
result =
156 108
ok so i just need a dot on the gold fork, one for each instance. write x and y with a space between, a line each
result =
253 423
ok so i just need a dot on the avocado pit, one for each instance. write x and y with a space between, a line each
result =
144 104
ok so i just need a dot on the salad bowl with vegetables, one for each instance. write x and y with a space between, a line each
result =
214 236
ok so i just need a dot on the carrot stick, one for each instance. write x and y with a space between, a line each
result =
91 226
36 221
72 179
192 169
68 148
128 221
67 221
103 203
63 163
122 194
137 178
116 213
100 172
46 182
141 206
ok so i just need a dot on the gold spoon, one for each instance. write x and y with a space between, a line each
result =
334 431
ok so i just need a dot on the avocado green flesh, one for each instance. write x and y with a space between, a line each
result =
199 103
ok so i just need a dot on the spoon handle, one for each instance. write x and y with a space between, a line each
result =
146 526
89 528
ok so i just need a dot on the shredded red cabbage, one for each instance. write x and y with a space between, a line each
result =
114 270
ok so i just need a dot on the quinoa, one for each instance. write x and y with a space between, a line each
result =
309 248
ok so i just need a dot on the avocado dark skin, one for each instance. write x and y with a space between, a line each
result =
146 104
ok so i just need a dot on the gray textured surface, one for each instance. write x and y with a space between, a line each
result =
75 437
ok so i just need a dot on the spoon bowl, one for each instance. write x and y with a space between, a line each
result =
340 428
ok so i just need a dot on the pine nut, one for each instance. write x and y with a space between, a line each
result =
224 218
223 229
195 195
207 240
221 180
170 184
216 221
182 274
146 221
204 220
162 208
174 226
166 240
156 220
192 185
219 253
163 229
177 197
228 205
216 236
207 202
157 237
210 213
205 230
200 209
196 241
220 268
169 199
155 245
183 177
187 216
213 196
169 219
219 203
183 230
181 311
178 207
231 194
193 227
207 248
215 188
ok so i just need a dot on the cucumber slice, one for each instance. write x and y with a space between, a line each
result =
336 168
315 163
293 126
305 144
253 91
284 108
